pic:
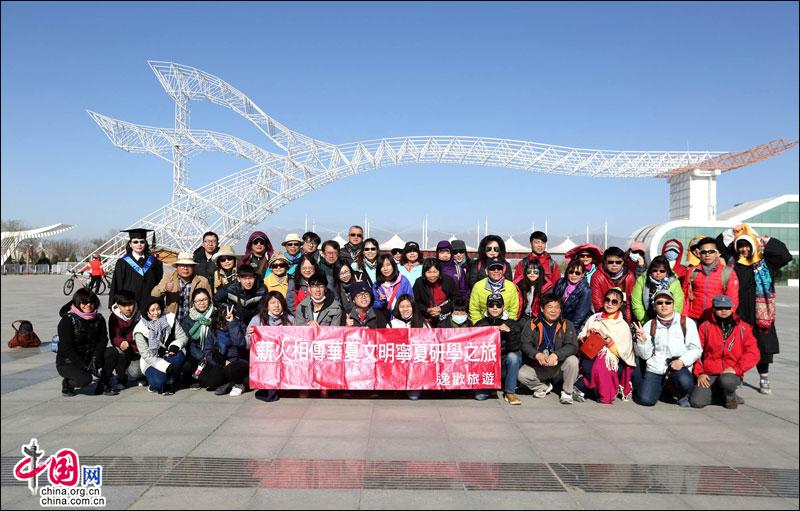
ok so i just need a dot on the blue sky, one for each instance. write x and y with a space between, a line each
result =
707 76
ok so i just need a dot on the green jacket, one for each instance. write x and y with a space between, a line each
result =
640 298
480 292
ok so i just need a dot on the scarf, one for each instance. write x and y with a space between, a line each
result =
616 276
654 285
118 313
727 325
294 259
388 287
494 286
568 292
274 320
202 320
666 322
707 269
77 312
765 294
156 329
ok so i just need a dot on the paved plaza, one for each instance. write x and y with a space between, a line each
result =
198 450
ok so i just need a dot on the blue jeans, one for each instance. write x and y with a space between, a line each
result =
652 385
157 379
510 364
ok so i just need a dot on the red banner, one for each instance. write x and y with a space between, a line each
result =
353 358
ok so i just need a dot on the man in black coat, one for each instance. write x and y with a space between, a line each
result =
203 254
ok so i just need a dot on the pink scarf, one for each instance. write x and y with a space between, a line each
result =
77 312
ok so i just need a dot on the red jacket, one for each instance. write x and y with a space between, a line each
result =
120 330
601 283
551 270
700 289
679 269
739 351
97 267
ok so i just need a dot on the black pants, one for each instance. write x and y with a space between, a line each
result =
125 359
78 377
94 283
763 367
238 372
724 384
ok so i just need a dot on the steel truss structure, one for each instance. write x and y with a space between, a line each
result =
12 239
233 205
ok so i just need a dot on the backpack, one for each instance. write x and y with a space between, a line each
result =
726 275
24 336
654 321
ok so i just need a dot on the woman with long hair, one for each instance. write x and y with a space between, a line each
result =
435 292
658 276
491 246
410 262
575 294
297 289
225 273
367 261
389 285
343 277
530 288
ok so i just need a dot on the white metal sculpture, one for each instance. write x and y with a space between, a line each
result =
235 203
12 239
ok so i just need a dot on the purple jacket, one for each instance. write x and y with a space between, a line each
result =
460 277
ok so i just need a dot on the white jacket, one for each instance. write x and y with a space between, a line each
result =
140 335
669 343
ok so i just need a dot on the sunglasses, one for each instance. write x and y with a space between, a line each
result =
612 301
658 270
459 251
663 302
138 242
293 244
533 272
276 266
397 251
259 241
494 305
584 256
722 308
496 268
614 261
86 302
707 252
493 249
370 249
356 235
226 258
575 273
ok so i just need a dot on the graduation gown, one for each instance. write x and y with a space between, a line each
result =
126 277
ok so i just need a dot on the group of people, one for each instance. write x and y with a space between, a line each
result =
613 326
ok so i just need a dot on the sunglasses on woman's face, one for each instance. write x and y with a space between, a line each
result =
533 272
226 258
575 272
658 270
584 256
86 302
612 301
493 249
138 242
276 266
459 251
370 249
259 241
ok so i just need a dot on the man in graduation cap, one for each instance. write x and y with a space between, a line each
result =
138 271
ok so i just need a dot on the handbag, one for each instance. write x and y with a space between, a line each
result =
592 345
24 336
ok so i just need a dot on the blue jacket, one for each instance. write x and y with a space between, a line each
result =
404 288
236 346
578 306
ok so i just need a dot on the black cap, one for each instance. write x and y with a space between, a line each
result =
495 261
396 251
359 287
458 245
139 234
495 298
538 235
312 236
411 246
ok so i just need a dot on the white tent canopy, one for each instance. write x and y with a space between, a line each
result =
338 239
393 242
513 245
563 247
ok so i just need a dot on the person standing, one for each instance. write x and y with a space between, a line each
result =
292 243
330 256
138 271
257 253
96 267
367 261
389 286
589 255
494 283
636 256
311 241
204 256
490 247
411 263
355 244
758 258
707 280
225 259
278 278
658 277
178 287
575 294
613 273
672 250
552 273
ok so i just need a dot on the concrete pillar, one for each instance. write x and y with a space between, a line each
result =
693 196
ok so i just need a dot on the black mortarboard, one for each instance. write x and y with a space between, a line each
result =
140 234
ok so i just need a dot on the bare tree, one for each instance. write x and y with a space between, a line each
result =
14 225
63 248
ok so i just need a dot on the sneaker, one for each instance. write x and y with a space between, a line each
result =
152 390
481 395
543 392
684 402
236 390
566 399
67 390
223 389
141 383
578 396
168 390
763 385
511 399
194 386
